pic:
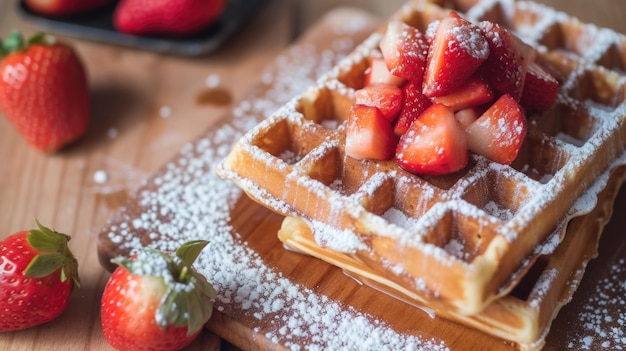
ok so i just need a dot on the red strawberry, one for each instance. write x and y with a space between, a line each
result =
388 98
474 92
378 72
166 17
458 50
540 89
505 68
37 275
369 134
414 104
499 133
434 144
468 115
404 49
58 8
44 91
155 301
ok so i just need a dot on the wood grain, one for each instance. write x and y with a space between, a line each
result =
129 139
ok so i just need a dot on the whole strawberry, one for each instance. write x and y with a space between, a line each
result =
37 275
156 301
43 90
63 8
166 17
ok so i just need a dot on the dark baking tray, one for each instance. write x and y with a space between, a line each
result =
98 26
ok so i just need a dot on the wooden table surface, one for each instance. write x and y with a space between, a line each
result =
145 107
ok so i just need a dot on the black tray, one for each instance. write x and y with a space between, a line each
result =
98 26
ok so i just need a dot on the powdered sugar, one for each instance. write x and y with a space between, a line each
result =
187 201
607 306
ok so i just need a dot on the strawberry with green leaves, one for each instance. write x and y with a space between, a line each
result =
156 301
37 275
44 91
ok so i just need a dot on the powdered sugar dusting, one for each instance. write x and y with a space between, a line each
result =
607 306
185 200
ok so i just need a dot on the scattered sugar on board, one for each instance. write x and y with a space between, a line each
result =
603 316
190 202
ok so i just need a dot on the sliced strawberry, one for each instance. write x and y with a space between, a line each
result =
388 98
414 104
540 89
505 68
378 72
404 49
468 115
473 93
458 50
369 134
434 144
499 133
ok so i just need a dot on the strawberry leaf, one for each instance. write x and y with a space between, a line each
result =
189 251
54 254
44 265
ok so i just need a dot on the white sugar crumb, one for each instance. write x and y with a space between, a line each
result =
112 133
165 111
100 177
212 80
603 315
189 201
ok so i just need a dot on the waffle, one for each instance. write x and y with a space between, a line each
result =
462 241
523 316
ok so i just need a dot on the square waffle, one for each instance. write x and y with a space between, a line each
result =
461 241
525 314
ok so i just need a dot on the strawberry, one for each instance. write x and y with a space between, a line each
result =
474 92
388 98
458 49
434 144
369 134
44 92
166 17
540 89
468 115
37 275
498 133
378 72
156 301
64 8
414 104
505 68
404 49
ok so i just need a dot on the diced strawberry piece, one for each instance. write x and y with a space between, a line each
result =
499 133
378 72
369 134
473 93
404 49
505 68
435 144
458 50
540 89
468 115
414 104
388 98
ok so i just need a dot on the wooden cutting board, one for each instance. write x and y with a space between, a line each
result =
271 297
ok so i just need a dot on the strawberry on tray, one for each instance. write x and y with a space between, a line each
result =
189 38
460 87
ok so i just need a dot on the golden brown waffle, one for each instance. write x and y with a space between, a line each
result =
524 315
460 241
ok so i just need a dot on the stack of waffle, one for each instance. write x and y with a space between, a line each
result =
498 247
